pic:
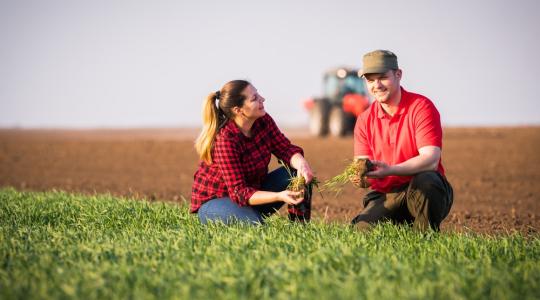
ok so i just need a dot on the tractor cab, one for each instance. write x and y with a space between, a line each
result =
344 98
337 84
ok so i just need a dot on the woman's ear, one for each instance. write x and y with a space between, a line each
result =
237 110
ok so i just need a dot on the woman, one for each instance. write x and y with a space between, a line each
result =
235 148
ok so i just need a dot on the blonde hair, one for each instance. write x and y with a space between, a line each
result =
216 114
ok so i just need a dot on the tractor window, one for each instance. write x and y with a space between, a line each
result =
331 87
354 84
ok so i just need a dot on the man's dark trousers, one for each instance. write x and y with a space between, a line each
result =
424 202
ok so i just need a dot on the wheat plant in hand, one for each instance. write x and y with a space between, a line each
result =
301 211
358 167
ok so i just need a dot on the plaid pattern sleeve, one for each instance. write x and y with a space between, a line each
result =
282 148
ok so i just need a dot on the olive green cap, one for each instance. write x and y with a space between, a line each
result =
379 61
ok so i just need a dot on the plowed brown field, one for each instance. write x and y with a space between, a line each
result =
495 172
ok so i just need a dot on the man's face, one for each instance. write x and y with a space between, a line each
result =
384 87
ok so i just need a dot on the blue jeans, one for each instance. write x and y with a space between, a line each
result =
227 211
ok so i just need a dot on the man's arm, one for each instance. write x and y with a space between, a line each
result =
427 160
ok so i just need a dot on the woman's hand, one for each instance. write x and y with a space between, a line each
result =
291 197
302 167
306 172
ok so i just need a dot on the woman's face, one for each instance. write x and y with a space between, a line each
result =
253 107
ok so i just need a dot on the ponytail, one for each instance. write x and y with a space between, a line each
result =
215 116
211 120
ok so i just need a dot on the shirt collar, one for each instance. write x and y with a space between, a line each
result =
231 127
403 103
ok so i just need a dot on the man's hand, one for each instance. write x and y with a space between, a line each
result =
427 160
382 170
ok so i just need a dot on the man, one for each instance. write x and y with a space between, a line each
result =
401 134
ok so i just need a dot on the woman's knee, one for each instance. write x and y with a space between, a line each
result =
224 210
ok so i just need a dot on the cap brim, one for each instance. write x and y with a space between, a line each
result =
374 71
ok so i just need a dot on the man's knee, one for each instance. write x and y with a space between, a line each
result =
432 187
429 198
426 181
373 212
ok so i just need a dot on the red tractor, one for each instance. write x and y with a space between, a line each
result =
344 98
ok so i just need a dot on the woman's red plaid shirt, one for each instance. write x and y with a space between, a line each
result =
239 164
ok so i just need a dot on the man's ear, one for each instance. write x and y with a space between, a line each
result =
399 73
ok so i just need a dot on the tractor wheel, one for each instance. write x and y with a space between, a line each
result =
318 119
338 122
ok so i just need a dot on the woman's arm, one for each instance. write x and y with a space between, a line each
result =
302 167
264 197
283 149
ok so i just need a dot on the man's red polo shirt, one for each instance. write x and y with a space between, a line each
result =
396 139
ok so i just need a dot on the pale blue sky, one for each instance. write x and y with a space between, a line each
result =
100 63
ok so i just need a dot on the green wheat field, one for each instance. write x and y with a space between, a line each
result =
57 245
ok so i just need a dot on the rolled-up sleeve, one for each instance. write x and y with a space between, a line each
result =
282 148
228 157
